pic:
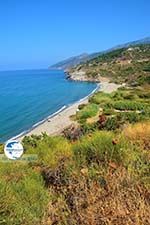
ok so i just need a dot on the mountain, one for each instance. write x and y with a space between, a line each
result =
129 64
126 45
70 62
138 42
76 60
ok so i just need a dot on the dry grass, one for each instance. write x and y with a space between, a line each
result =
139 134
117 201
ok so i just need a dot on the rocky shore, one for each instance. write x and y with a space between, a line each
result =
81 76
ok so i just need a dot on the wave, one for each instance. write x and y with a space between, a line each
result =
39 123
94 91
54 114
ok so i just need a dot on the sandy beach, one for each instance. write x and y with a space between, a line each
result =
59 122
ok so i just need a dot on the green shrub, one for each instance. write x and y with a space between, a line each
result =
131 117
128 105
99 98
146 68
81 106
130 96
112 123
100 148
52 150
145 113
118 95
88 128
144 94
31 141
108 111
23 197
87 112
143 79
108 105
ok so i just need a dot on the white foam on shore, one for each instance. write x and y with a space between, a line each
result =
94 91
54 114
38 123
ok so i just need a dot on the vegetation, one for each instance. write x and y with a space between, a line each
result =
103 178
87 112
127 105
98 171
23 197
130 65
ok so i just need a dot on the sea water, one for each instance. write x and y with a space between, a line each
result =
29 96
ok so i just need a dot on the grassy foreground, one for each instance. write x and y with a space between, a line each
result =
97 175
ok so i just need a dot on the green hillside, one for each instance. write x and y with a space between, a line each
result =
82 58
130 65
98 171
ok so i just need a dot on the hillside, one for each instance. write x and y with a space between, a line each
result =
97 172
124 65
76 60
70 62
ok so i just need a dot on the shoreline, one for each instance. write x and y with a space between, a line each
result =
55 123
28 132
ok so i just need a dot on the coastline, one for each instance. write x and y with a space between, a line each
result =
41 126
57 122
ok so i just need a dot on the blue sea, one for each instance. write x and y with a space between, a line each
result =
29 96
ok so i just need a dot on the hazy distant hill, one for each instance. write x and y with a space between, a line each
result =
74 61
70 62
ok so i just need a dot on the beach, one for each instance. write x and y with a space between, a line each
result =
56 124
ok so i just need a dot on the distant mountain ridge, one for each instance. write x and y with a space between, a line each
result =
70 62
129 65
82 58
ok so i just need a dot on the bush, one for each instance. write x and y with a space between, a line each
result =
87 112
118 95
52 150
108 111
130 96
23 197
81 106
88 128
129 105
101 147
112 123
146 68
99 98
73 133
143 80
144 94
131 117
31 141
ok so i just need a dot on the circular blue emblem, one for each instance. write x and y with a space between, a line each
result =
13 149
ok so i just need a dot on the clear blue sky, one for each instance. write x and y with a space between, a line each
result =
37 33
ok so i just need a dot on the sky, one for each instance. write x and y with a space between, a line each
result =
37 33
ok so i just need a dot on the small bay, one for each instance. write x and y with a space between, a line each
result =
29 96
